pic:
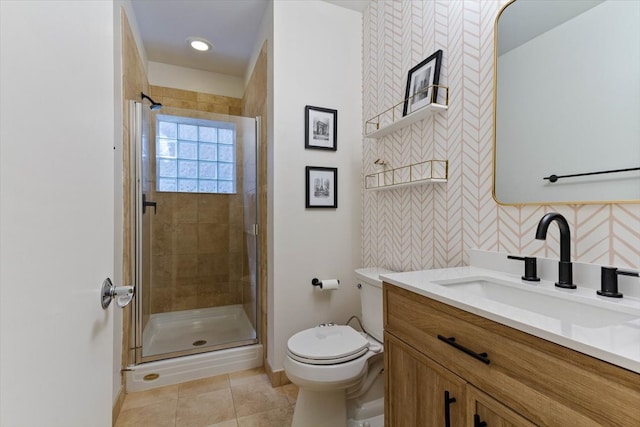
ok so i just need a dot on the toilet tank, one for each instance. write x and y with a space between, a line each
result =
371 299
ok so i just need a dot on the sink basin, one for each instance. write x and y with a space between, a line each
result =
551 303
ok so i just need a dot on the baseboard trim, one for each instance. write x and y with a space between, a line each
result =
117 406
277 378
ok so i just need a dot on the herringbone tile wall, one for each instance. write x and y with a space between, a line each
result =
434 226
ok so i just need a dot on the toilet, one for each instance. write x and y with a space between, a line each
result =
338 370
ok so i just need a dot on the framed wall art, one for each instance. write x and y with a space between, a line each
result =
321 187
422 81
321 128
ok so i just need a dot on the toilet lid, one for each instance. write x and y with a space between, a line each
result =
327 345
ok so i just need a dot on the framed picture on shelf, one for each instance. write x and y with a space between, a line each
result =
321 187
321 128
422 82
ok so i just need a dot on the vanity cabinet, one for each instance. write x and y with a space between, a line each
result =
413 404
498 375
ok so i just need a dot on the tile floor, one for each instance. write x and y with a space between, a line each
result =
240 399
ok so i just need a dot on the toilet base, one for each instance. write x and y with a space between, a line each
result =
368 409
320 409
332 409
377 421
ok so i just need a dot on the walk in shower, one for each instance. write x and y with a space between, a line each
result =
195 232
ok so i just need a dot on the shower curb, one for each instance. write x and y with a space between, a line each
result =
194 367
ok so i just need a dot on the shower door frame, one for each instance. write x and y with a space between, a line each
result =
135 356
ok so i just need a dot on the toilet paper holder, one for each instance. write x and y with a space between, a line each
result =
317 282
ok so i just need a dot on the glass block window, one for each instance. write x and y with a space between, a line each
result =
195 155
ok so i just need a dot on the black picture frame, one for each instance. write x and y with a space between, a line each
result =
320 128
321 187
422 81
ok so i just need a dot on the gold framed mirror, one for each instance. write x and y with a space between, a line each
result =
567 102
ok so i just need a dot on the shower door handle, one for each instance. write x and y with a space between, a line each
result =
146 203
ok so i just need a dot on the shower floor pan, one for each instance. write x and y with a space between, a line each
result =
189 329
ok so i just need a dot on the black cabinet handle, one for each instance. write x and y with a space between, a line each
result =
477 422
447 411
483 357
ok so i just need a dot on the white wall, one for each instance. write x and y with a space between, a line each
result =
267 25
317 61
196 80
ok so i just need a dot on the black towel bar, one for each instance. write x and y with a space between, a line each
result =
554 178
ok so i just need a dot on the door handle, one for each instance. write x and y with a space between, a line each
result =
109 292
146 203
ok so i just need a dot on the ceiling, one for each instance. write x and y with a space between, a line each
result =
232 26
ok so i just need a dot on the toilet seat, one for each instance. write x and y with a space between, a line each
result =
327 345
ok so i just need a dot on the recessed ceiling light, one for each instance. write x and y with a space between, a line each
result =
200 44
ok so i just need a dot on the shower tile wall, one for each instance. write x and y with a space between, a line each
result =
434 226
198 250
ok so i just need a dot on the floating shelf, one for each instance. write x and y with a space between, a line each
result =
392 119
427 172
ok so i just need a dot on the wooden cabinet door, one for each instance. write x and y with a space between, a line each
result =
484 409
417 389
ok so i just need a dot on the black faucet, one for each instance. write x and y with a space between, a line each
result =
609 281
530 268
565 269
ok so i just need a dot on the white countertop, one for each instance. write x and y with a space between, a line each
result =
618 344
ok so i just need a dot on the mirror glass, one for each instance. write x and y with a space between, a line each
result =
567 102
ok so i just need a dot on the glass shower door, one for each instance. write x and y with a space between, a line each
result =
197 248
